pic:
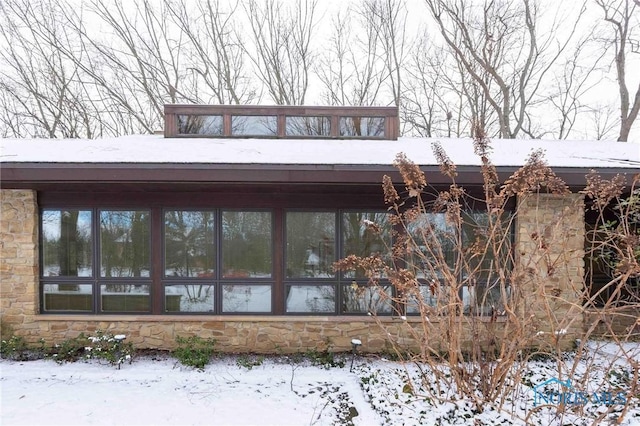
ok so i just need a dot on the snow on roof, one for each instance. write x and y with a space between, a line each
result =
157 149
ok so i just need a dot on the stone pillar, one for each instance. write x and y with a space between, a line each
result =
18 261
550 257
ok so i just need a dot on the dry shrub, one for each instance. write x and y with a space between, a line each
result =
473 295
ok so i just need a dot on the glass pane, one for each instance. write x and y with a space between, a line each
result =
362 126
189 298
432 245
363 299
124 244
485 257
483 299
189 246
427 297
361 240
67 243
308 126
246 298
254 125
211 125
246 244
125 298
311 298
68 297
310 244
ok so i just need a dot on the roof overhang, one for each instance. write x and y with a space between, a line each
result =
47 176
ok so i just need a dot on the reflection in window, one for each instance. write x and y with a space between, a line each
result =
66 243
189 298
428 296
124 244
484 298
210 125
125 298
246 298
310 244
67 297
254 125
363 299
486 255
308 126
361 240
362 126
311 299
246 244
434 241
189 244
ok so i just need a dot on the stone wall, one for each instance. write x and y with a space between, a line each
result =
550 261
549 242
18 260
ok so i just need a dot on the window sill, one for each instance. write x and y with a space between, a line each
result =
237 318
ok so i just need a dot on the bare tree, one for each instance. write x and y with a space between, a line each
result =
216 52
390 17
350 70
432 105
624 23
499 45
41 89
283 56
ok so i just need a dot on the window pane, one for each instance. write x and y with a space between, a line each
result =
311 298
432 246
200 125
189 298
308 126
189 244
483 299
246 244
428 297
68 297
485 257
125 298
66 243
363 299
310 244
361 240
124 244
246 298
254 125
362 126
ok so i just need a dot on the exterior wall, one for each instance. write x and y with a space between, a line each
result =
549 238
19 260
550 252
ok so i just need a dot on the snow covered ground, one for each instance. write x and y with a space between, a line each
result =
287 391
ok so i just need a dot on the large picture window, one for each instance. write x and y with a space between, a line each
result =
220 261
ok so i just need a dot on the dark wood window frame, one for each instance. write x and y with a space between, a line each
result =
160 202
334 114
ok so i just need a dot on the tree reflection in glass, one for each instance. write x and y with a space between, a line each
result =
310 244
124 244
254 125
67 243
189 244
361 240
362 126
246 244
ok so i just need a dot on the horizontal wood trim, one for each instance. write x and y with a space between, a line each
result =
281 110
246 318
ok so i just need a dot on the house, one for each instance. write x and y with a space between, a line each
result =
228 224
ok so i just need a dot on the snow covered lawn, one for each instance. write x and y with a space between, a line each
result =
287 391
